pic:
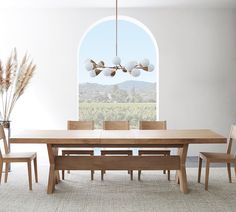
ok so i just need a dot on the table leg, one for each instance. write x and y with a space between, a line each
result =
182 172
52 178
57 174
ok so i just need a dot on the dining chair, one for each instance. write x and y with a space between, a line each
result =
215 157
10 157
78 125
116 125
153 125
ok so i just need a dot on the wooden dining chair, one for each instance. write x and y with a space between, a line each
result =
116 125
214 157
78 125
9 157
153 125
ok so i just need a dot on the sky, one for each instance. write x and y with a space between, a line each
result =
134 44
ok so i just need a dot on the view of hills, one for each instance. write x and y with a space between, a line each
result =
125 92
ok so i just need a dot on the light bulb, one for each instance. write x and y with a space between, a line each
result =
107 72
116 60
131 65
93 73
151 68
135 72
145 62
89 66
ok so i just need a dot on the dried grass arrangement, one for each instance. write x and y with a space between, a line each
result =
14 78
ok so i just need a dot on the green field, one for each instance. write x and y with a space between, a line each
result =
117 111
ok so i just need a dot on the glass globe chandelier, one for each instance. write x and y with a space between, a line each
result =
134 68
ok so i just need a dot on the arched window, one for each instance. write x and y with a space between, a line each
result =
122 97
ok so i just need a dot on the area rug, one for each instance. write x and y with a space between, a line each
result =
117 193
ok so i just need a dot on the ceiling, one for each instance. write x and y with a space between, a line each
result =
122 3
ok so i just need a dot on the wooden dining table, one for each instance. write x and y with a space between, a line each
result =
180 139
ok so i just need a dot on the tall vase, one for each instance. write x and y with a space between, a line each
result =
7 126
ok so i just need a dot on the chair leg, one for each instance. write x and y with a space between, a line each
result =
229 172
139 175
131 174
63 171
1 164
177 177
35 170
63 174
6 171
68 171
29 175
235 168
168 175
199 169
207 175
164 171
92 173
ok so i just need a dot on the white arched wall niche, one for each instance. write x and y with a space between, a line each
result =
145 29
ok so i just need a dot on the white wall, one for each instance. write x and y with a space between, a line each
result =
197 64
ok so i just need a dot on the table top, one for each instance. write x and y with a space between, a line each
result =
122 137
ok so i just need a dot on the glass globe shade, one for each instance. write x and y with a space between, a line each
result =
145 62
151 68
89 66
93 73
116 61
135 72
107 72
131 65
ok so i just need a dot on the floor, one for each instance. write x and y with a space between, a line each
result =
117 192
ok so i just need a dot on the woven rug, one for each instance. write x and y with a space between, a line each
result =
117 192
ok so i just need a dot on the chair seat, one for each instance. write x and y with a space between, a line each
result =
19 155
154 152
116 152
217 157
77 152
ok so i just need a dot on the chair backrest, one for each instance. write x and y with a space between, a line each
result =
3 138
232 136
152 125
116 125
80 125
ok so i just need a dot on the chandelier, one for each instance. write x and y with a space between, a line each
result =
134 68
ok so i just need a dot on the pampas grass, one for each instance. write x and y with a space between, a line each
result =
14 78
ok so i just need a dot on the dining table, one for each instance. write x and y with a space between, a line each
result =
179 139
